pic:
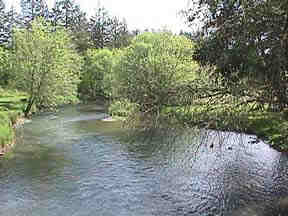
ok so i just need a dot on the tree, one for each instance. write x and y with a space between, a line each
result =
45 65
97 72
152 69
107 31
5 25
3 67
67 14
253 39
33 8
3 34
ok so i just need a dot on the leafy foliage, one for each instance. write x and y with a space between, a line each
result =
97 70
67 13
252 37
122 108
10 111
45 65
152 68
32 9
5 24
107 31
4 74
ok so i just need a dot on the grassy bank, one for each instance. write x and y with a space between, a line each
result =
269 126
11 107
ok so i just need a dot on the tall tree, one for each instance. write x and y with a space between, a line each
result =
45 65
8 19
152 71
107 31
33 8
67 13
253 39
3 19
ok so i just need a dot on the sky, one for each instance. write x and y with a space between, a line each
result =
156 14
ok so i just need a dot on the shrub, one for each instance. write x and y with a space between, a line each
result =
122 108
6 132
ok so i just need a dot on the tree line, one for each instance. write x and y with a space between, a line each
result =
98 31
42 50
60 55
217 77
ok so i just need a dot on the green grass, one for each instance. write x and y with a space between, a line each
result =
11 108
11 100
271 126
5 129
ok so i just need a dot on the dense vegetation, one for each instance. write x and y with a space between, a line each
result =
42 53
253 61
252 37
151 70
11 106
230 75
44 65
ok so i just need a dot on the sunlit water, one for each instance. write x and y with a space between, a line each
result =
74 164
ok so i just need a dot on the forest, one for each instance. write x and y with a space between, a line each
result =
230 75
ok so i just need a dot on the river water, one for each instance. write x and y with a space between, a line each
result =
74 164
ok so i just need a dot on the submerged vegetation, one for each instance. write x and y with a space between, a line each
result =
231 75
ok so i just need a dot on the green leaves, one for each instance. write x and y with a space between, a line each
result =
4 74
96 79
152 67
248 38
45 65
107 31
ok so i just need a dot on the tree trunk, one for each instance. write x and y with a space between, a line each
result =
28 107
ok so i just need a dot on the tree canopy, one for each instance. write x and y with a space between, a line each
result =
45 65
33 8
253 39
151 69
106 30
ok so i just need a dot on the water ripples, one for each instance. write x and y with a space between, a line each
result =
74 164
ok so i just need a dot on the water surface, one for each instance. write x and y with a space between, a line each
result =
74 164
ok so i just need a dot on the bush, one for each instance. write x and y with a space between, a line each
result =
6 132
122 108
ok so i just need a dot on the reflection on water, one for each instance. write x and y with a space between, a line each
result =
72 163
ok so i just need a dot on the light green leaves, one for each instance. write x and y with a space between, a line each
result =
45 65
152 67
96 79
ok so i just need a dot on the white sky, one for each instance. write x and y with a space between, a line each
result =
138 14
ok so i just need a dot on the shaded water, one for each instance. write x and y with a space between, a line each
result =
73 164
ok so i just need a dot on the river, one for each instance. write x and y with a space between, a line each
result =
74 164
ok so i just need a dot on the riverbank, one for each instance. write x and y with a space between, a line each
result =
272 127
77 151
11 116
